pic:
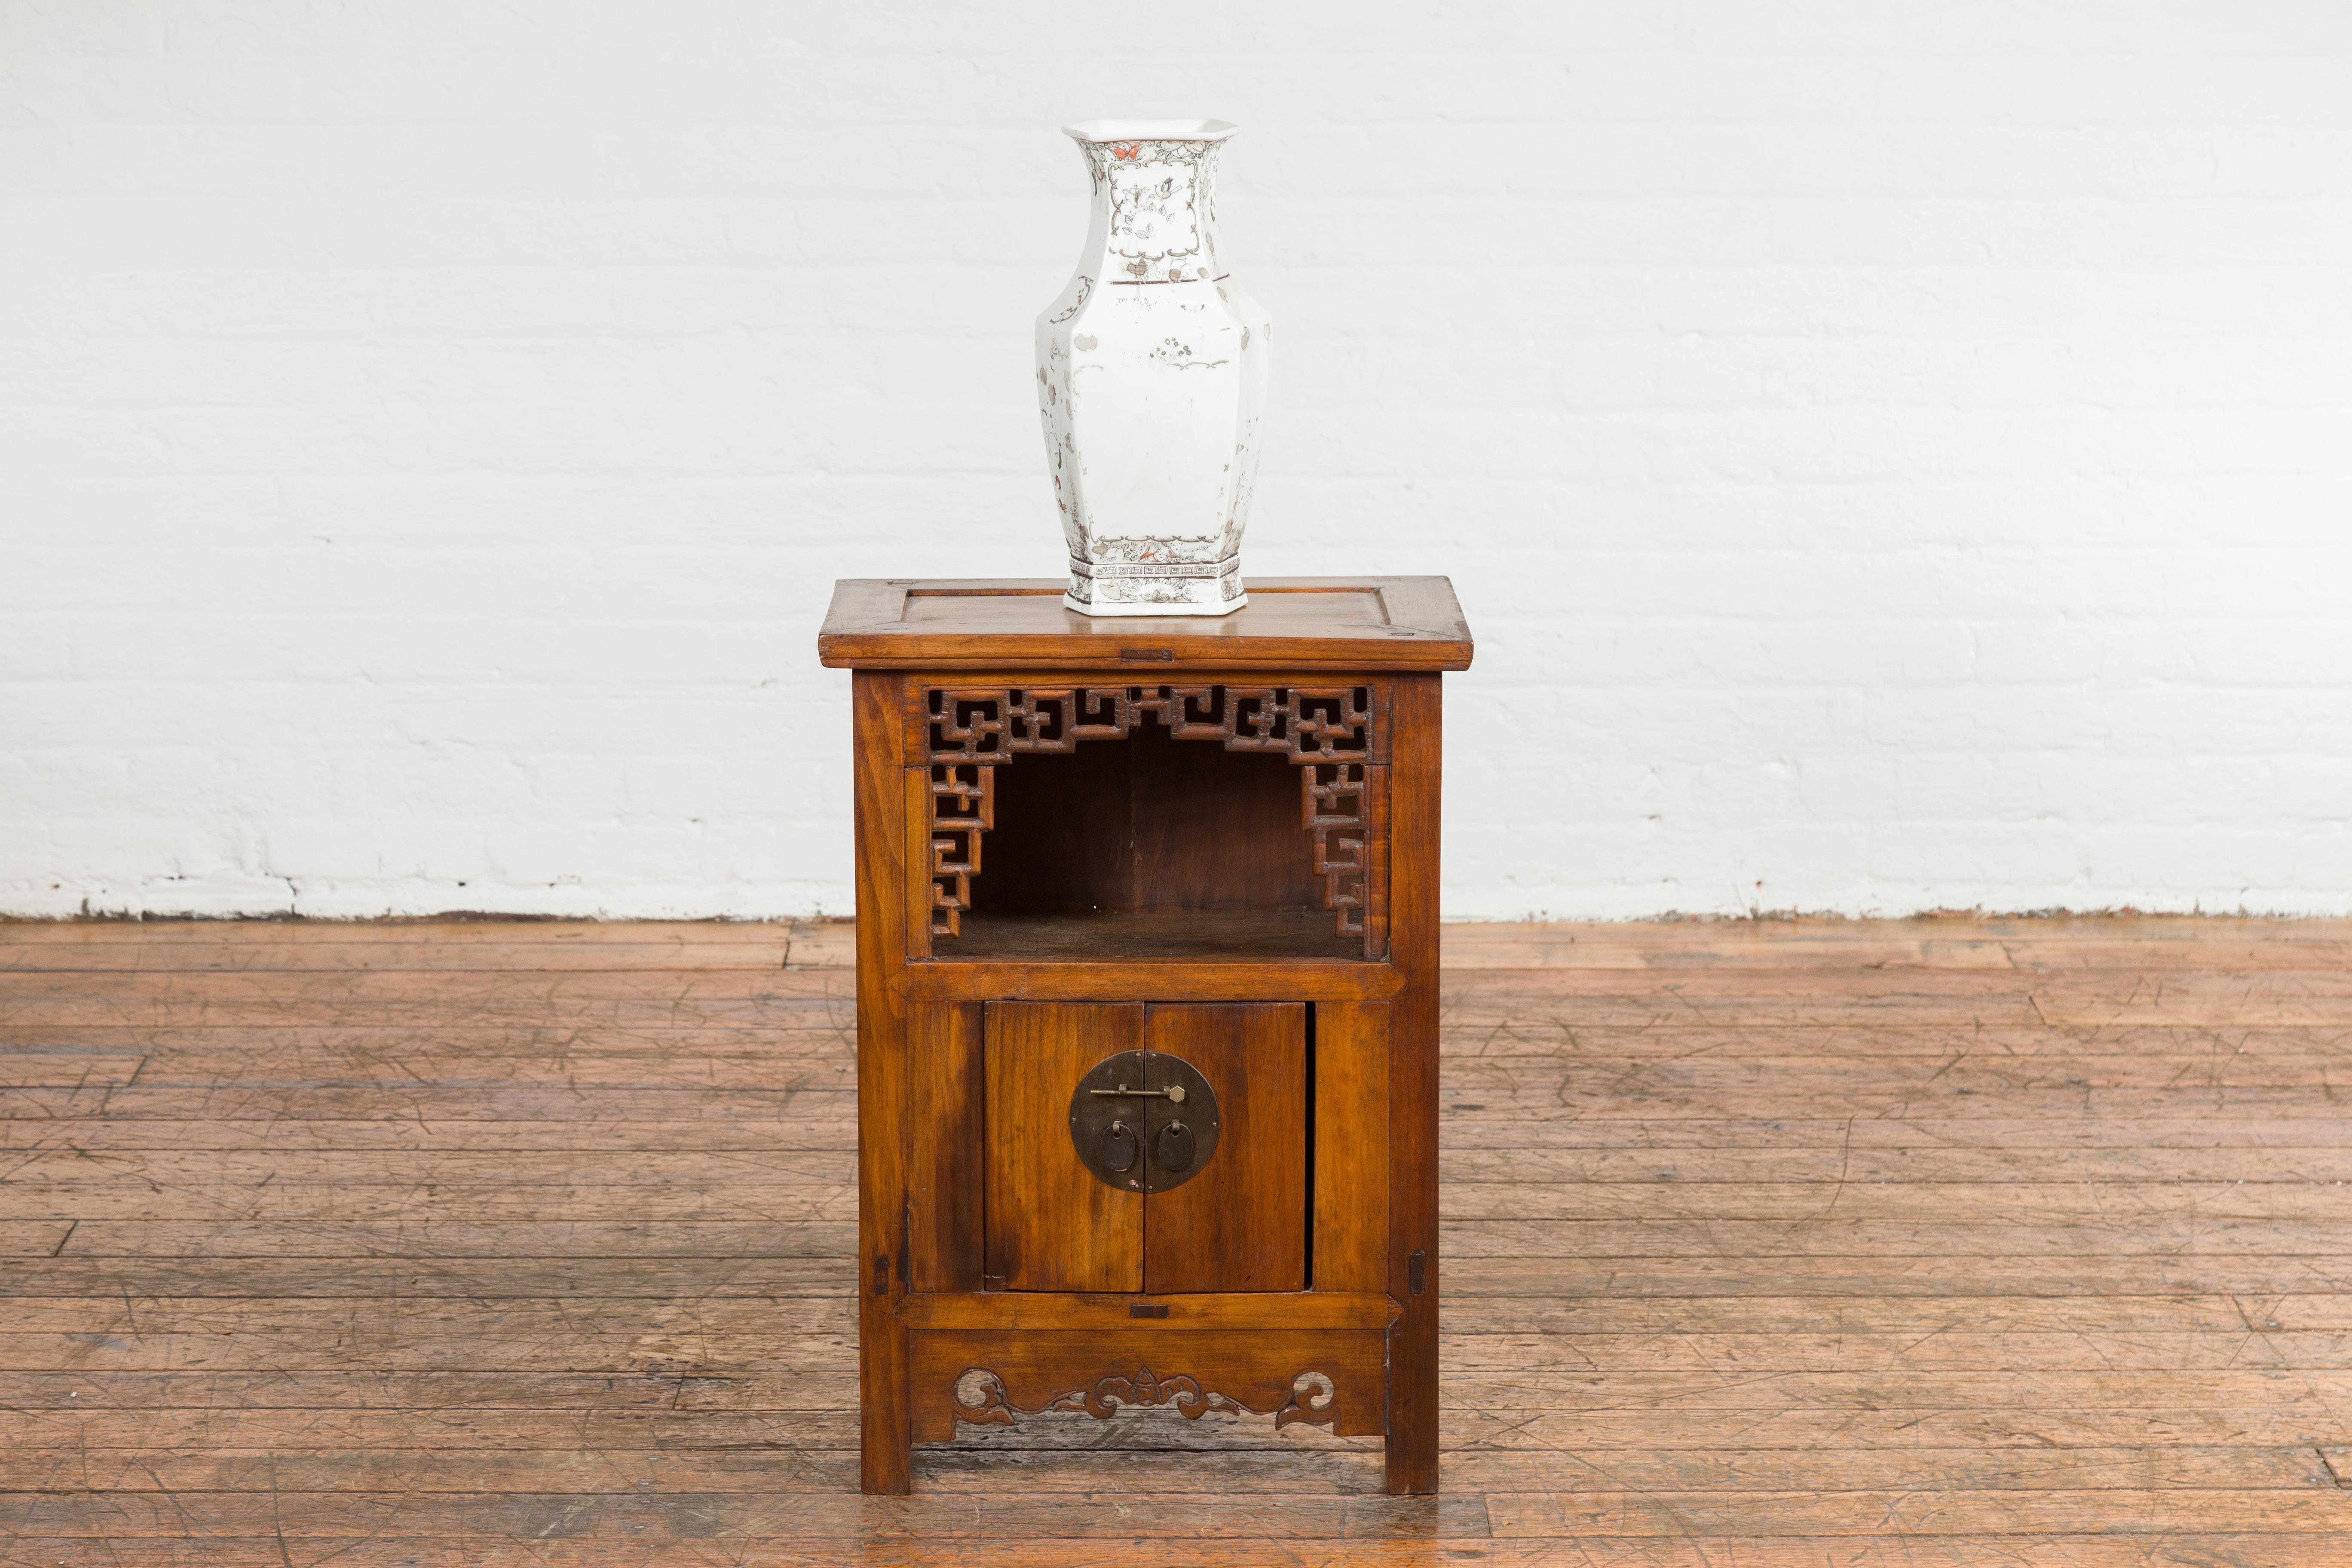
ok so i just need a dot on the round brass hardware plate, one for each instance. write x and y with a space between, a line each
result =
1144 1121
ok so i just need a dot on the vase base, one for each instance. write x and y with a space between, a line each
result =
1225 607
1156 588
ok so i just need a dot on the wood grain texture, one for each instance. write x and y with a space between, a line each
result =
1231 1310
1050 1225
415 1243
1351 1142
1324 623
1240 1223
1113 937
1396 1536
882 854
947 1137
1413 1243
1162 979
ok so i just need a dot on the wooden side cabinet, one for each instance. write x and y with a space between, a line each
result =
1147 1007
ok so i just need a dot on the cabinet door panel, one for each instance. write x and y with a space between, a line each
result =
1050 1225
1351 1146
946 1144
1240 1223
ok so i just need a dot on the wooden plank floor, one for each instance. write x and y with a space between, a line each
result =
1935 1243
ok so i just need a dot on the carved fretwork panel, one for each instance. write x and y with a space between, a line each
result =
981 1399
1325 1377
1333 796
1327 731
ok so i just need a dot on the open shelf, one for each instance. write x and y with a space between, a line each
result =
1145 846
1233 935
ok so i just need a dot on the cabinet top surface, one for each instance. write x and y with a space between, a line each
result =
1305 623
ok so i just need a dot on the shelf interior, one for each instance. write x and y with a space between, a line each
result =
1241 934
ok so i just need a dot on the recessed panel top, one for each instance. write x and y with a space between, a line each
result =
1334 622
1335 609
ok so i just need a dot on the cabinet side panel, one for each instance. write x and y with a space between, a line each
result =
881 855
1051 1226
1240 1223
945 1138
1412 1087
1351 1146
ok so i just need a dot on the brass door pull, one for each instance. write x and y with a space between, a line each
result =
1143 1148
1174 1092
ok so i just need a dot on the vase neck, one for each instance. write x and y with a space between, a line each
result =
1155 219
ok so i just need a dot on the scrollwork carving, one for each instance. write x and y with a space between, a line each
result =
1314 1399
1326 730
981 1398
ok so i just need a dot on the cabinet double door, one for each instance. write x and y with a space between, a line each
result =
1146 1147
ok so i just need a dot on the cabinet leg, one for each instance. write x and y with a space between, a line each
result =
1412 1445
884 1415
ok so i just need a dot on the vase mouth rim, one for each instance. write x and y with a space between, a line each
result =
1150 129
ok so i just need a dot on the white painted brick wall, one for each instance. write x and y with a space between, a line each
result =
1894 456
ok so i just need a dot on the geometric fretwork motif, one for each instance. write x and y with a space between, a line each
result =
1326 730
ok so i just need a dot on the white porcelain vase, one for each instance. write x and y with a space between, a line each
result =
1151 376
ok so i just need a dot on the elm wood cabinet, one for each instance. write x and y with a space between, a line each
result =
1147 1007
